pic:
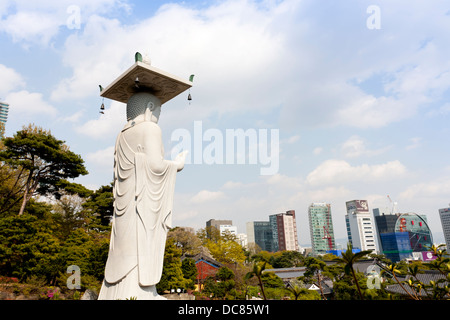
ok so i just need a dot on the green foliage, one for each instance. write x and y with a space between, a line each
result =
190 272
288 259
28 247
271 280
45 159
223 247
39 244
172 274
12 185
222 286
349 259
187 241
257 272
306 294
100 206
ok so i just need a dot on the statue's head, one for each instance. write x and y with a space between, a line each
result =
140 102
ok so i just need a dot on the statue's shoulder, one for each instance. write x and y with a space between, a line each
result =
142 125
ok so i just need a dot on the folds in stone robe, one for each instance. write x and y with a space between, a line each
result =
144 185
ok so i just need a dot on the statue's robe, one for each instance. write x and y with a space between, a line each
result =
143 190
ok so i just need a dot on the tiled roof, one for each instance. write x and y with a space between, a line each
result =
203 256
425 278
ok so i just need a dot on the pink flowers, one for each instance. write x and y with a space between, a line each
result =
53 293
8 280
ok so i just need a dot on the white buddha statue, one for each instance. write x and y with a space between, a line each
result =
144 184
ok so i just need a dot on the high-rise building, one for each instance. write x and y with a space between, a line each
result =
413 226
384 224
216 224
396 245
242 239
360 227
321 228
445 222
260 233
284 231
4 108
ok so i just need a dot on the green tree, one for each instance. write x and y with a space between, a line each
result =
172 274
76 250
265 256
257 272
46 160
288 259
88 251
295 287
349 259
223 247
226 282
12 186
189 272
314 269
271 280
394 271
345 289
100 207
28 247
67 215
187 241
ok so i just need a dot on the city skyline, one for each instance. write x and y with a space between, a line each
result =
355 93
359 207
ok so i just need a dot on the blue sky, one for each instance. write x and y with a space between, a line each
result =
362 112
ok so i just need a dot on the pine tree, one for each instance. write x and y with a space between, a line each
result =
46 160
172 274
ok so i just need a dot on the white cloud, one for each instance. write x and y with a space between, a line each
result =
415 143
30 26
207 196
107 125
75 117
438 188
40 22
339 171
226 46
291 139
355 147
281 64
440 111
104 157
24 103
317 151
232 185
329 194
283 182
10 80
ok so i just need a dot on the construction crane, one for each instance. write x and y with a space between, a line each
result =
394 205
328 236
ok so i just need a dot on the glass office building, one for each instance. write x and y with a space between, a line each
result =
4 108
260 233
393 229
396 245
321 228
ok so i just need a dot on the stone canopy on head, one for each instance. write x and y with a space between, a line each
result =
141 77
